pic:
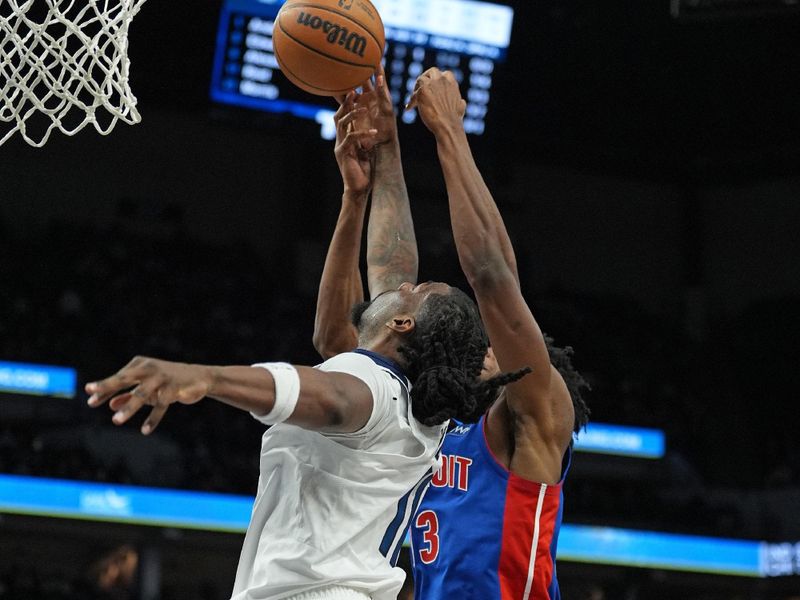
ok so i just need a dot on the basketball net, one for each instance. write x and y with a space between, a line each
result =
61 63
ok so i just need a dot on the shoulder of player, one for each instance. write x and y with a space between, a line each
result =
343 359
357 362
548 417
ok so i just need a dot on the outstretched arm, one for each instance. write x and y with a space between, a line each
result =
341 286
538 401
326 402
391 244
484 248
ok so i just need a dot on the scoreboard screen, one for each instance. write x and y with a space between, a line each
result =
467 37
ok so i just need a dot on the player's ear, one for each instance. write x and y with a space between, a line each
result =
402 323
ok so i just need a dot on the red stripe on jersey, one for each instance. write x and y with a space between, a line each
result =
523 574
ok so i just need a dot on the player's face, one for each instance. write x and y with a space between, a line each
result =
424 289
400 303
410 298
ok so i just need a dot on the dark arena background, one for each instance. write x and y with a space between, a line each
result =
646 157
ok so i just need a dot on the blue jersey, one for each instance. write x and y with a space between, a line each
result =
483 533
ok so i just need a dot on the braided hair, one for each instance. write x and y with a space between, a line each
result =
444 357
561 359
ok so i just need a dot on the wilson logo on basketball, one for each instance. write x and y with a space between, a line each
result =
346 4
335 34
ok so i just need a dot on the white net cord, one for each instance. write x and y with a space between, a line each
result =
61 63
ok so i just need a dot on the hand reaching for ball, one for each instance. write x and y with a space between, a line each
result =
364 121
438 100
354 141
378 111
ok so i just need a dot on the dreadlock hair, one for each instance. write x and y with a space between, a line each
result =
444 356
561 358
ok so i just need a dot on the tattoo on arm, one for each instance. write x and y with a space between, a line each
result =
391 244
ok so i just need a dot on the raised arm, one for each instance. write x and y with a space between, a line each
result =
391 245
539 403
324 402
484 248
341 286
368 153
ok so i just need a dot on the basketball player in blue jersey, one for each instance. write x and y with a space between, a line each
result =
506 471
488 526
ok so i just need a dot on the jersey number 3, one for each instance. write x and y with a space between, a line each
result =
430 536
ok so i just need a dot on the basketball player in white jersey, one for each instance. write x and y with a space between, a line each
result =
350 448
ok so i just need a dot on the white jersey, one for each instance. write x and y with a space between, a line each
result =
333 509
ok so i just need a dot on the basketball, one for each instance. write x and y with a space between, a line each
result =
328 47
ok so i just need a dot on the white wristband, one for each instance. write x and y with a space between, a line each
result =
287 391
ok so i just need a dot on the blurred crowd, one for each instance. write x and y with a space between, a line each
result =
91 298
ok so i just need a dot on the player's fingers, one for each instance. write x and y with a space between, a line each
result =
345 124
412 101
355 138
119 401
342 98
144 393
345 105
384 96
127 410
127 376
431 73
341 111
352 116
153 419
368 86
148 388
101 391
420 83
